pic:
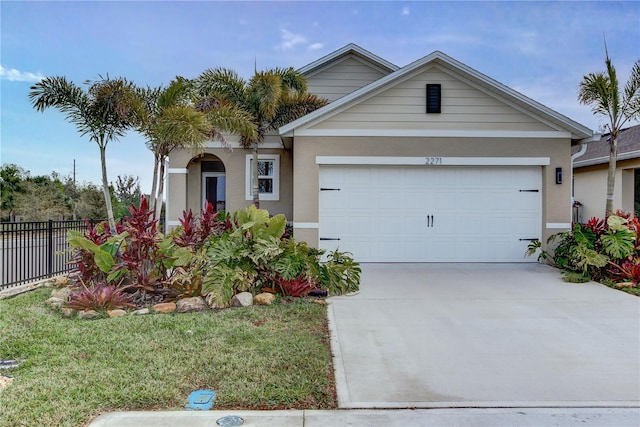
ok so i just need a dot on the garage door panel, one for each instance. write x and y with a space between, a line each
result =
392 213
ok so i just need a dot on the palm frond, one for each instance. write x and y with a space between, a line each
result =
221 83
181 126
296 106
263 95
631 103
229 118
292 80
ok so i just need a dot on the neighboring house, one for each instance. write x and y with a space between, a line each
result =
590 174
433 161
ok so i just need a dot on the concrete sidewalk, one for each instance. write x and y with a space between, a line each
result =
512 417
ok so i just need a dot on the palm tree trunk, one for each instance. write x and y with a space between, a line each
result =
105 188
611 176
154 183
254 178
160 195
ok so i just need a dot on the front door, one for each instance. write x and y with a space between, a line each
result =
214 188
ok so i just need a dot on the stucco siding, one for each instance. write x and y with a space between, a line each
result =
464 107
342 78
185 189
555 197
590 188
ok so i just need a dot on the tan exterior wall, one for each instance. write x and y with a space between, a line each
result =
590 188
185 190
403 106
342 78
556 197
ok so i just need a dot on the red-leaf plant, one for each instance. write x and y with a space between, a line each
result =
142 257
84 259
194 233
627 272
296 287
99 296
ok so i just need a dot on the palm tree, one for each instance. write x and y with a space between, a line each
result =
170 119
272 98
601 91
104 112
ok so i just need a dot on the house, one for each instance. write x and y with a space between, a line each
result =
431 162
590 169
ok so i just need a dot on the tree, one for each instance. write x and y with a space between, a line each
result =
104 112
11 179
171 118
272 98
601 91
127 192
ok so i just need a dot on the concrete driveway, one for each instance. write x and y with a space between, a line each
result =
484 335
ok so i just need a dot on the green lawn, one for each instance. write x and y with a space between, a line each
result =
273 357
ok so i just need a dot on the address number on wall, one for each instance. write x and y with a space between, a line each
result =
433 161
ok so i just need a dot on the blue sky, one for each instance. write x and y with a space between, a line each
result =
542 49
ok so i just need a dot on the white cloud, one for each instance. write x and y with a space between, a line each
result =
406 11
290 40
316 46
14 75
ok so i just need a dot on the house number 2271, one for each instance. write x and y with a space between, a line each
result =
432 161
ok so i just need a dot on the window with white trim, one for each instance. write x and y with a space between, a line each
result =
268 176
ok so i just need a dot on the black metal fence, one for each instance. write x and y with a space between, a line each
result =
35 250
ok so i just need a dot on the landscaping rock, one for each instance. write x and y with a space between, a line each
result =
320 301
164 307
243 299
141 312
89 314
61 281
210 299
186 305
55 303
62 293
68 312
116 313
264 298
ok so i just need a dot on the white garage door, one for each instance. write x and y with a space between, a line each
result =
440 214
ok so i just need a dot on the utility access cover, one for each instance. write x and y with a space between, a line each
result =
201 400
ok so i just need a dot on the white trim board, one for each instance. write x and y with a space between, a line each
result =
429 161
178 170
306 225
558 225
433 133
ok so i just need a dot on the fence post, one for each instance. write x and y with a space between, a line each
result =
50 249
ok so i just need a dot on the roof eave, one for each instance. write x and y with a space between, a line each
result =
350 48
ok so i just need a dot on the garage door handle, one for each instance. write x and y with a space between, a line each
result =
429 220
530 239
329 189
329 238
529 191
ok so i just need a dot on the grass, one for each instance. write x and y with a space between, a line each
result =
274 357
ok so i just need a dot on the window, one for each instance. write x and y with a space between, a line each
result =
268 176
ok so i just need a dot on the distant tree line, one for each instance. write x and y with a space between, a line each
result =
39 198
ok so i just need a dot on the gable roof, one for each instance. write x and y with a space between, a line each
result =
598 152
478 79
343 52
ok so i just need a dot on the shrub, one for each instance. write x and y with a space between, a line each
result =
597 250
98 296
214 253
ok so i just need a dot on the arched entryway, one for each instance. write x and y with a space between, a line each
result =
212 180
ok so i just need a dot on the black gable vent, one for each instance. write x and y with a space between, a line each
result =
433 98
